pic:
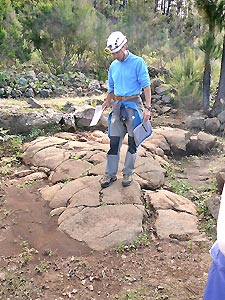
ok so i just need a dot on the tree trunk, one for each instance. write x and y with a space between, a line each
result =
219 104
206 83
168 8
156 5
162 5
221 88
207 70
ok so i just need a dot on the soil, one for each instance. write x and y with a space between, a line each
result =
37 261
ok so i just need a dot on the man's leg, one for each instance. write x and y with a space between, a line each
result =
113 156
131 151
117 133
130 157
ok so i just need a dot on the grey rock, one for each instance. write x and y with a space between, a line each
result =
221 117
212 125
213 205
34 103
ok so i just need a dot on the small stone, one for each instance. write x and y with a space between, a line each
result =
90 287
2 276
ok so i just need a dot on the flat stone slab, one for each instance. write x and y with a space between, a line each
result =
176 216
117 194
70 169
177 225
103 227
164 199
50 157
70 190
30 149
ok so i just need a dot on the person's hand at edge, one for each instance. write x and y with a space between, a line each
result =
146 115
106 103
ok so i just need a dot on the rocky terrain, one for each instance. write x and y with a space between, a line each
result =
62 237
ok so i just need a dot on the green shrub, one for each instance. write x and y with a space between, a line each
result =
187 72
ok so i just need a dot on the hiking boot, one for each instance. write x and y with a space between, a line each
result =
107 181
127 179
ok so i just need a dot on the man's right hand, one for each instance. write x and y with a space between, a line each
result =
105 104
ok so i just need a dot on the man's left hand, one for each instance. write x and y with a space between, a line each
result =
146 115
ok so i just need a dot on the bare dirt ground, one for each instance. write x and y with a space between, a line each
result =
39 262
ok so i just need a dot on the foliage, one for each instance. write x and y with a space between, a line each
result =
10 151
132 295
212 12
10 144
215 72
97 53
11 147
13 45
49 130
63 33
27 253
140 241
72 33
183 27
34 133
26 183
120 247
186 73
135 22
65 36
16 285
206 222
180 187
42 267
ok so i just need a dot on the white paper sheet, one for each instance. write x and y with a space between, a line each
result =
97 115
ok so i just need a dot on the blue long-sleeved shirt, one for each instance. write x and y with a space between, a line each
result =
128 77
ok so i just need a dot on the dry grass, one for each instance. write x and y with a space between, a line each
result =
55 103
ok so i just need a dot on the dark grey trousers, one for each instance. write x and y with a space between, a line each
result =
118 129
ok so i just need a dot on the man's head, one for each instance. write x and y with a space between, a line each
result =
115 42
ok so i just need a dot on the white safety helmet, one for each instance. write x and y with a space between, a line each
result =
115 42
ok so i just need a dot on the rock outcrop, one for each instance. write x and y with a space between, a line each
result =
103 218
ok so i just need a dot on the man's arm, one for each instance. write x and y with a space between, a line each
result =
221 223
147 110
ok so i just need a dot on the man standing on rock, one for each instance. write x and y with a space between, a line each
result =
127 77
